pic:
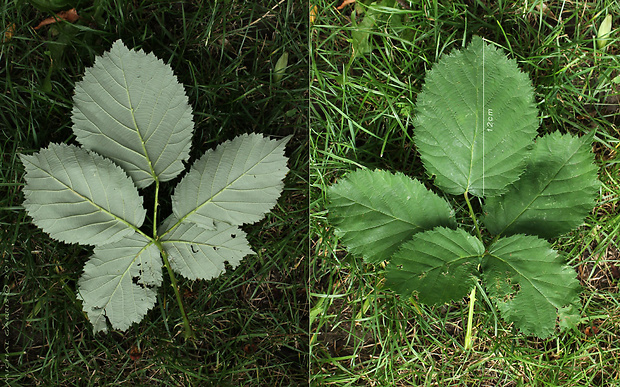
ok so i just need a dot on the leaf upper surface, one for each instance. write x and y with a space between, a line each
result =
475 120
439 264
553 196
80 197
119 282
130 108
376 211
529 283
198 253
238 182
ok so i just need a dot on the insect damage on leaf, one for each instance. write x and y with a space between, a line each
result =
475 128
135 124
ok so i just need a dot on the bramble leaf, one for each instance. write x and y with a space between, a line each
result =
77 196
553 196
475 121
119 282
376 211
198 253
130 108
238 182
438 264
529 283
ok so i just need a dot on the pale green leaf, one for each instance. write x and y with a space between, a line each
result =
376 211
198 253
602 36
475 121
238 182
529 283
439 265
77 196
130 108
553 196
280 67
119 282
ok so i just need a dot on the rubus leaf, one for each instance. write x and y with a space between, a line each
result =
475 121
198 253
238 182
439 264
529 283
130 108
77 196
553 196
376 211
119 282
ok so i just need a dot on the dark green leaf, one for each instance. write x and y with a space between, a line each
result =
475 120
529 283
553 196
438 264
376 211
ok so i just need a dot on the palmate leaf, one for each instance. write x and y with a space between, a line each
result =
376 211
238 182
475 120
529 283
198 253
77 196
130 108
438 264
553 196
119 282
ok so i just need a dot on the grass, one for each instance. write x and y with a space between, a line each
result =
251 323
362 94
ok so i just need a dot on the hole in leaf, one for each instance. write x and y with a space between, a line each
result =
135 280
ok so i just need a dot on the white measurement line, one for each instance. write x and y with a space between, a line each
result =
483 118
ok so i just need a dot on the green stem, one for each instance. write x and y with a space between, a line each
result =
470 319
473 215
155 209
188 333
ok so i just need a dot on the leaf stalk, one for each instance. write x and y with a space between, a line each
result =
188 333
473 216
470 320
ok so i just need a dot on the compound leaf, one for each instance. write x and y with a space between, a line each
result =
119 282
77 196
475 120
529 283
238 182
376 211
130 108
198 253
553 196
438 264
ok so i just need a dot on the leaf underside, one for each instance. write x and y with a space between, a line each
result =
77 196
529 283
553 196
438 264
376 211
198 253
135 124
130 108
475 120
119 282
238 182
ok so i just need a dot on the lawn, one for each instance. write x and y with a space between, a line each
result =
368 64
250 323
